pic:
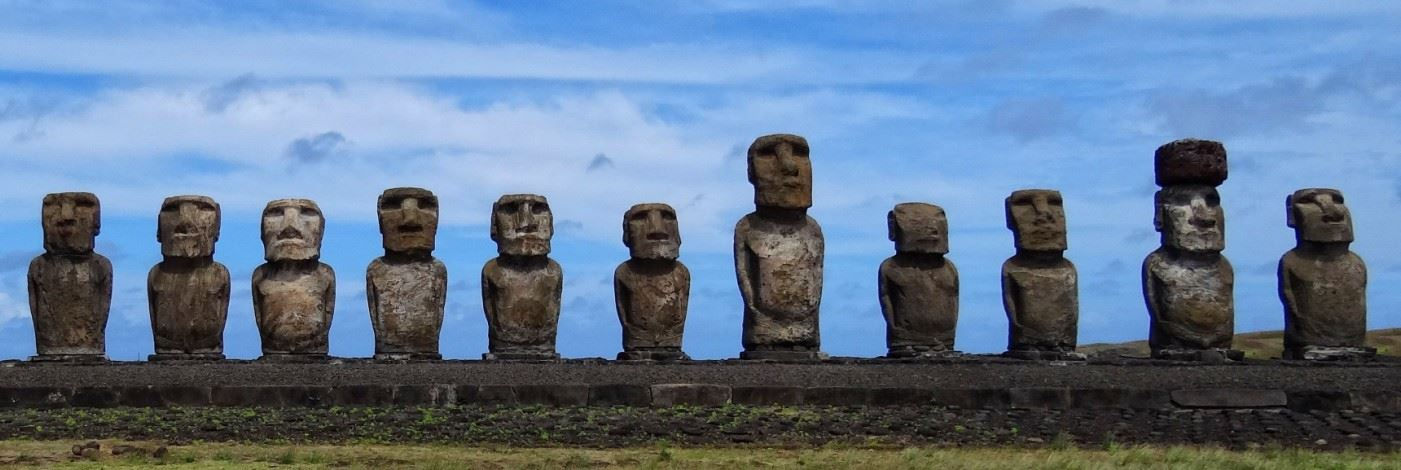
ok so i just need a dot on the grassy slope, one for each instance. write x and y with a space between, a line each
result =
1259 344
58 454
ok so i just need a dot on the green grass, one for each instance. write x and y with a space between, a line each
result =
199 456
1257 345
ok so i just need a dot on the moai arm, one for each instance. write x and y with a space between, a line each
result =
621 296
887 309
1150 289
744 264
685 291
223 304
34 268
151 300
104 293
558 295
1286 287
1009 302
258 296
954 271
488 295
441 283
372 296
329 296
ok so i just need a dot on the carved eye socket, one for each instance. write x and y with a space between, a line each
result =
170 208
310 212
85 203
1337 198
1213 200
391 203
428 203
668 215
540 208
510 208
273 212
1054 200
638 217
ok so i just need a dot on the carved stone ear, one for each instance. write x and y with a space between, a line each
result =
627 234
1158 211
495 230
892 226
1289 211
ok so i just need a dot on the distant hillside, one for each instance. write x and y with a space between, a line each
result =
1257 345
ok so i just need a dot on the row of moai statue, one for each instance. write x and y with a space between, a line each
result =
778 250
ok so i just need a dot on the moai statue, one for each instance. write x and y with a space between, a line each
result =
1039 286
188 291
652 288
407 287
919 285
1187 284
778 254
1322 284
521 288
70 286
294 294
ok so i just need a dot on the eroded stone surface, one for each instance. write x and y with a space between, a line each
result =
1322 284
407 287
70 286
1040 290
188 291
294 294
918 287
1188 286
778 254
521 288
652 288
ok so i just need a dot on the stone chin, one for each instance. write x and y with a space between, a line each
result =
69 243
523 246
1208 242
1042 240
292 250
1329 233
784 198
927 247
403 243
655 251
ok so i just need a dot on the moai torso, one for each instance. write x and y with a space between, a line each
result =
407 287
918 287
188 291
778 254
652 289
189 306
1190 301
70 286
1188 285
294 295
1040 288
69 299
1322 285
521 288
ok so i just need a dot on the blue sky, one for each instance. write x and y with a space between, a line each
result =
600 105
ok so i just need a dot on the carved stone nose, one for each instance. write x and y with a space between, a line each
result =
288 233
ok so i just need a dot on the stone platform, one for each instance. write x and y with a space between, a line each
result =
968 382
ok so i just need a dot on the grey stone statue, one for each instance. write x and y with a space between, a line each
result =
918 286
1322 284
188 291
521 287
778 254
294 294
1039 286
70 286
407 287
1188 285
652 288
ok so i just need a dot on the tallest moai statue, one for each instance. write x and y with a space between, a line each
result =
1187 284
778 253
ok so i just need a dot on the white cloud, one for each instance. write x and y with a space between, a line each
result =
11 308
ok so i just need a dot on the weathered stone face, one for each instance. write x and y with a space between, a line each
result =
918 228
1037 219
1318 215
522 225
781 172
1190 218
71 222
650 231
408 220
188 226
292 230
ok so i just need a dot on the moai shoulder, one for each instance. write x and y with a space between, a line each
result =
1188 286
294 294
188 291
1040 290
1322 284
779 254
407 287
70 286
918 287
652 288
522 286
